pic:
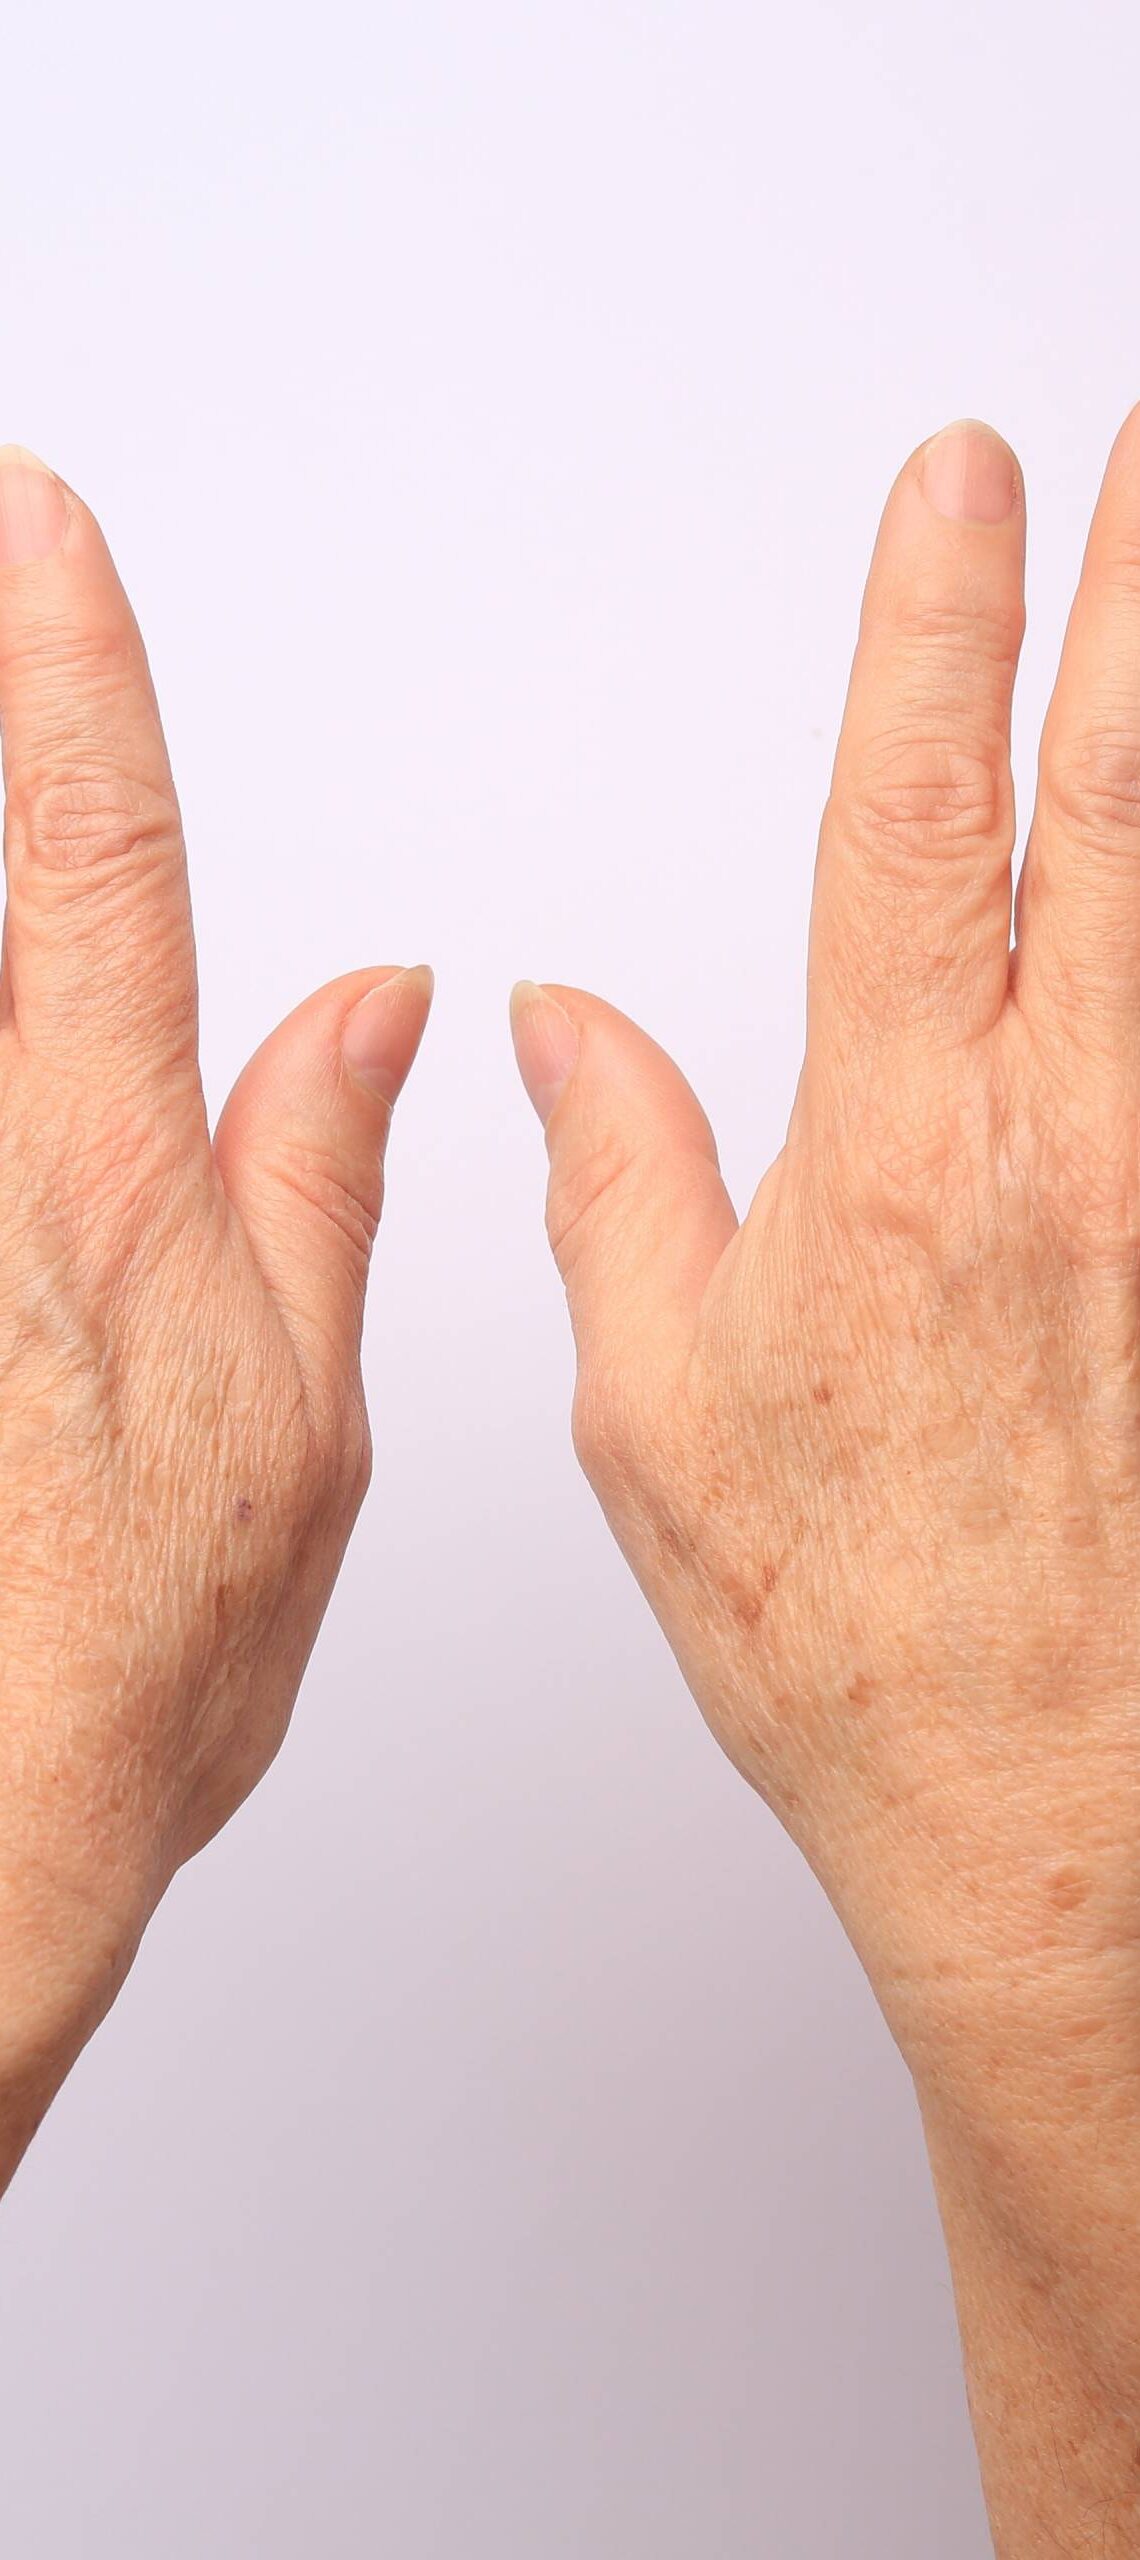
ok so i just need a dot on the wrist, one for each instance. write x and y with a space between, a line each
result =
1011 1982
1005 1955
1030 2099
63 1958
1048 2320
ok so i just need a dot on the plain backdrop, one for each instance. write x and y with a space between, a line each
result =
496 2154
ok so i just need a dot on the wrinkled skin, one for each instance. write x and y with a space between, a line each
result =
183 1443
874 1454
893 1518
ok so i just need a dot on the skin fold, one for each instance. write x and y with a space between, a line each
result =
873 1453
183 1442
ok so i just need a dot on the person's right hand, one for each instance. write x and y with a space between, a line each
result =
183 1443
875 1453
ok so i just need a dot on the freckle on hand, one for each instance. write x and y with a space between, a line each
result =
243 1507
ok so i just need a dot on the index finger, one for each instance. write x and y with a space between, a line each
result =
98 946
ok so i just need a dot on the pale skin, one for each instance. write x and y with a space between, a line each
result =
874 1452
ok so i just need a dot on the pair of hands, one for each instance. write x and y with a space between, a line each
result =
873 1453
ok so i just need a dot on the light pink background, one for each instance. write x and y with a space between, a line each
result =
496 2154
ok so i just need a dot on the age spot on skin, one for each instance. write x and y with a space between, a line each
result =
747 1598
673 1546
243 1507
822 1392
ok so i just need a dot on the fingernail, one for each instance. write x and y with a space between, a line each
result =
33 508
546 1044
969 473
383 1031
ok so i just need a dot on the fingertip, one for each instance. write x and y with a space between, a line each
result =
34 508
384 1029
1127 437
546 1044
969 474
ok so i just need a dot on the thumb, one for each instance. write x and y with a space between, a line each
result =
300 1148
637 1213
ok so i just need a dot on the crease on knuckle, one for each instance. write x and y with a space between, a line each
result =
963 632
1118 567
1092 788
315 1180
90 824
574 1200
924 795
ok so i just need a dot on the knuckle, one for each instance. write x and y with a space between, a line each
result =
575 1196
956 632
590 1427
87 825
1118 566
1091 788
331 1469
316 1181
314 1461
354 1457
924 794
611 1427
